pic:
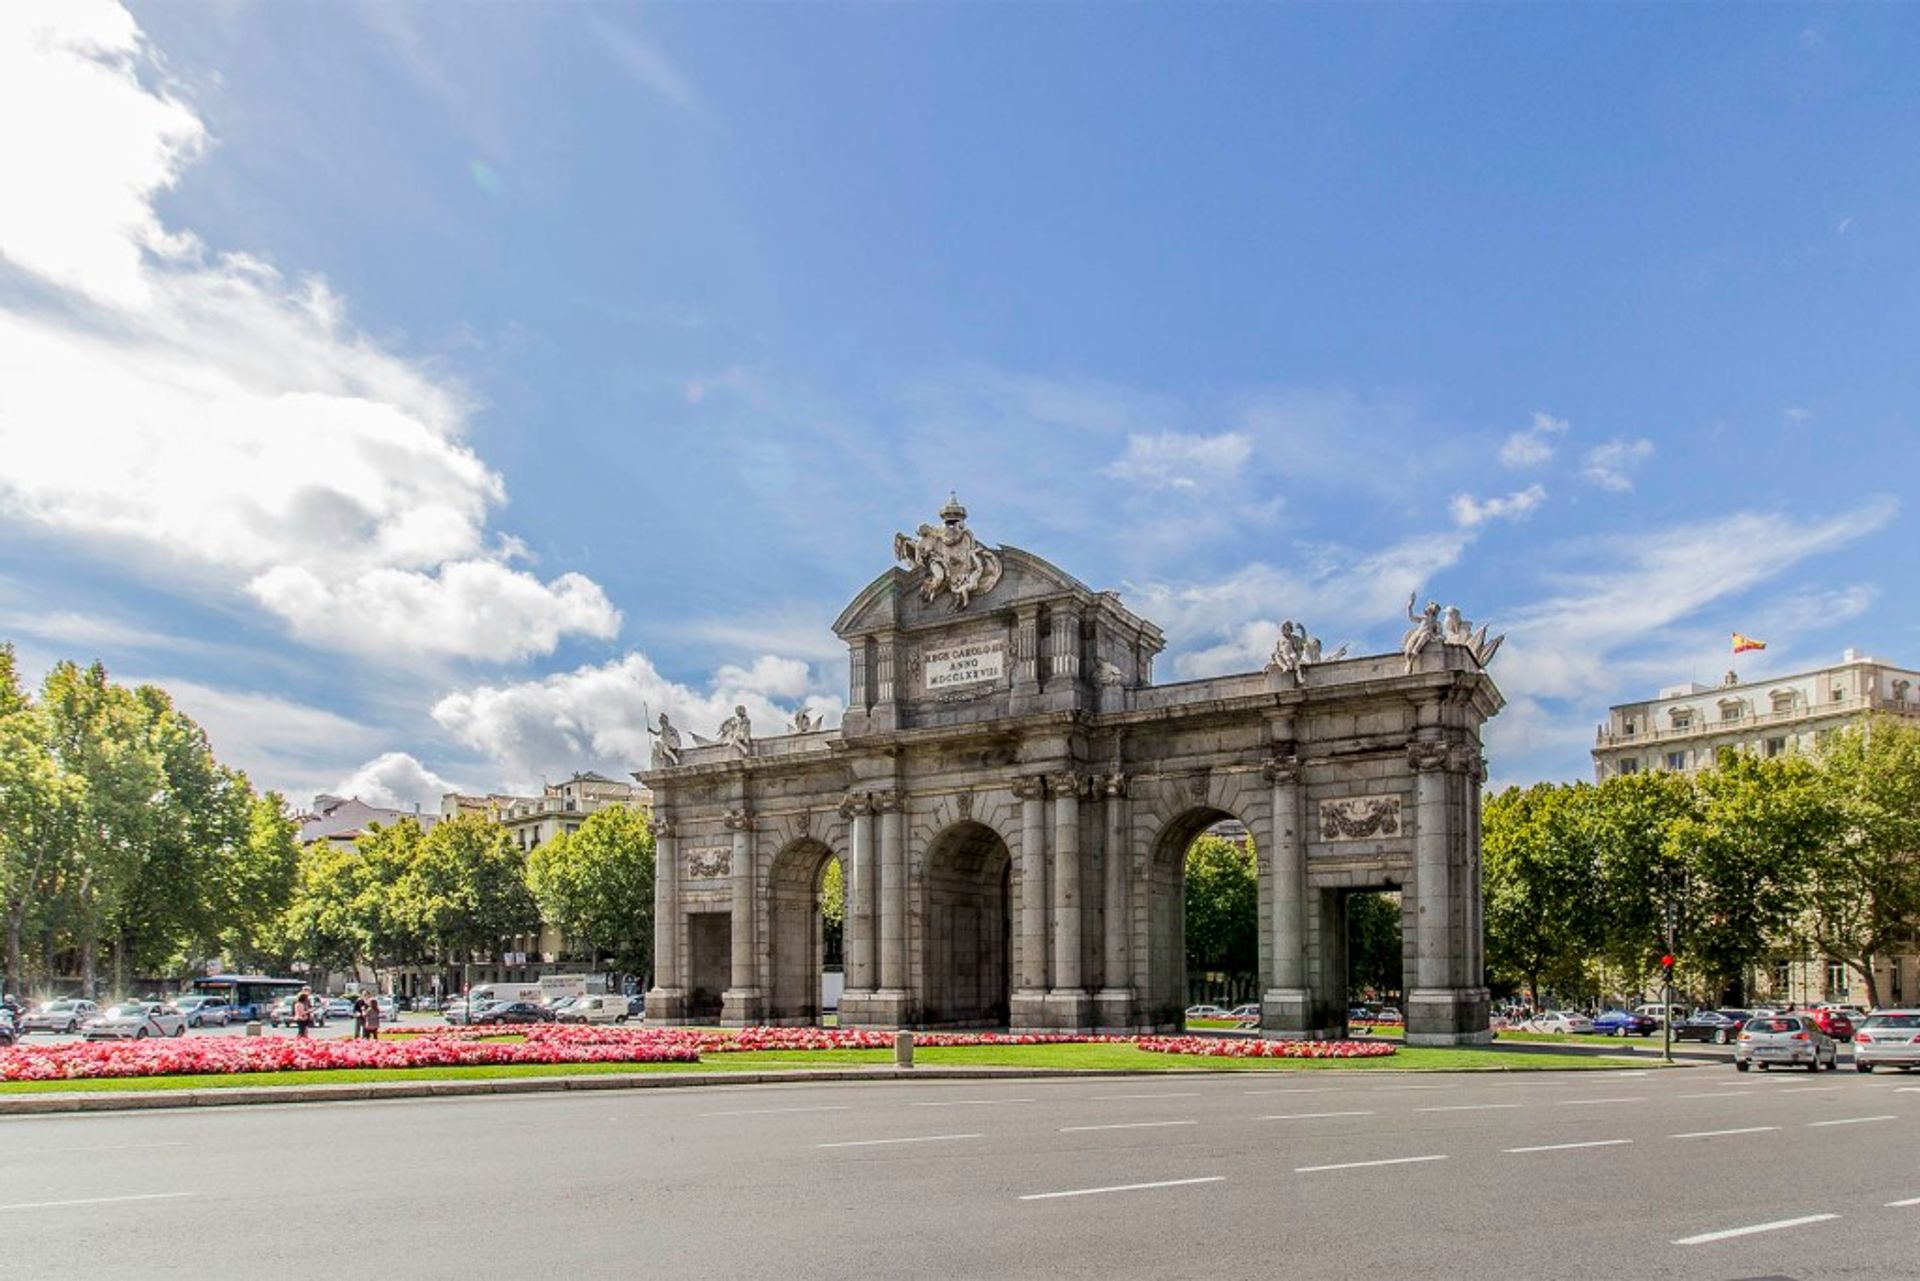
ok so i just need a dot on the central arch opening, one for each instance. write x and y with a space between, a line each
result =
802 893
967 930
1203 920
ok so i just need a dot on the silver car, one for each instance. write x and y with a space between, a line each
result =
1785 1040
135 1021
59 1016
1890 1038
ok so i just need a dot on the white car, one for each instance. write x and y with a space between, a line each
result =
1206 1012
135 1021
1560 1021
58 1016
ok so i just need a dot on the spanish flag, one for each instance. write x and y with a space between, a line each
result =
1741 644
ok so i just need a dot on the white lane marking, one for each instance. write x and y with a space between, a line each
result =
1123 1125
968 1103
1576 1103
1718 1094
1895 1205
1851 1120
1360 1165
1310 1116
836 1107
1806 1089
104 1147
1124 1187
1562 1147
1706 1237
1192 1094
1411 1087
1316 1089
95 1200
1714 1134
1469 1107
921 1138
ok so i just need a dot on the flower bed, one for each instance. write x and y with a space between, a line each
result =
569 1043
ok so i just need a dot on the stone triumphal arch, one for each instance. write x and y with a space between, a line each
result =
1010 796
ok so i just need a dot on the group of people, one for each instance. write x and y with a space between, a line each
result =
366 1015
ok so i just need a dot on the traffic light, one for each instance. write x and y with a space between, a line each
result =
1666 968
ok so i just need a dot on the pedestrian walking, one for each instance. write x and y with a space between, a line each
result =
359 1015
303 1012
372 1018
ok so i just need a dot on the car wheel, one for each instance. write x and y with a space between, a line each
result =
181 1030
1814 1064
140 1034
1740 1065
1858 1066
72 1027
1833 1064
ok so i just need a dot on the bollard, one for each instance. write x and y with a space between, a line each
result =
253 1028
903 1049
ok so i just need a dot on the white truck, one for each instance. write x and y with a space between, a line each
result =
555 986
485 992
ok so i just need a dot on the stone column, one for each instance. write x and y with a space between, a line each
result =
667 1001
743 1003
1069 1005
1288 1005
1444 1006
891 1004
1113 1006
1030 994
862 885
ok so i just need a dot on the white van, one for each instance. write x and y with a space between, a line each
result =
505 992
597 1007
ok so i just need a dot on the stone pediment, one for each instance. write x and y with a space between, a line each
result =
894 600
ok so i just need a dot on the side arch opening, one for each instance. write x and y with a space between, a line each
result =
966 932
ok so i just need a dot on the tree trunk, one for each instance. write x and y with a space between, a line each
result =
120 977
1865 966
16 922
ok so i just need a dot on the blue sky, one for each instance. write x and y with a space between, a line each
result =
425 393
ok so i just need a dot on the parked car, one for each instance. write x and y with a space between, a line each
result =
425 1005
280 1013
1560 1021
1887 1038
389 1009
1625 1023
1205 1012
135 1020
1662 1013
1251 1010
1834 1022
1718 1026
513 1012
463 1010
560 1006
203 1011
59 1016
338 1007
1789 1040
594 1007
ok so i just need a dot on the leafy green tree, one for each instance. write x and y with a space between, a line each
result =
323 923
833 907
1748 851
1537 870
36 804
1375 958
256 887
597 885
465 891
1863 897
1636 870
1222 907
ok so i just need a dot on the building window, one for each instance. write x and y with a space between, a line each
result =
1783 701
1682 717
1836 980
1775 746
1629 764
1782 982
1839 695
1729 711
1900 689
1676 760
1627 726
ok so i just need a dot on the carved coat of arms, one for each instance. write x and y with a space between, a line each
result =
950 557
1355 818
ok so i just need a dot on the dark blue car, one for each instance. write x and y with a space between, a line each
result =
1625 1023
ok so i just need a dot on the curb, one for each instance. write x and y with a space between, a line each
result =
242 1096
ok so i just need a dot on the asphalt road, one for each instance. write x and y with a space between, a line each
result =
1576 1174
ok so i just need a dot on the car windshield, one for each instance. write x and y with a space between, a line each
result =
1894 1020
1774 1025
60 1007
130 1010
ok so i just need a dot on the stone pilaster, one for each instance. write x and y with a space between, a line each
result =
862 884
1063 645
1113 1004
1026 651
667 999
743 1003
1444 1005
891 1003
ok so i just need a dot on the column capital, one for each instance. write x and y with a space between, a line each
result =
1113 785
660 825
1426 757
886 802
1282 768
855 805
1029 787
1067 783
738 820
1465 758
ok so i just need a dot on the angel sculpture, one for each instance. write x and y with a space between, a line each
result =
804 723
737 731
1289 650
1425 629
666 747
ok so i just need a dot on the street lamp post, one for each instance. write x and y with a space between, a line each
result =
1666 991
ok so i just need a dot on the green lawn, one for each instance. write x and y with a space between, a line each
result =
1576 1038
1097 1057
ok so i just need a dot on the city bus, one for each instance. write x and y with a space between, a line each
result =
248 996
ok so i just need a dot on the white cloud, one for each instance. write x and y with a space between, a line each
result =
288 746
1469 511
645 64
206 415
598 716
395 780
1535 445
1611 465
1176 460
